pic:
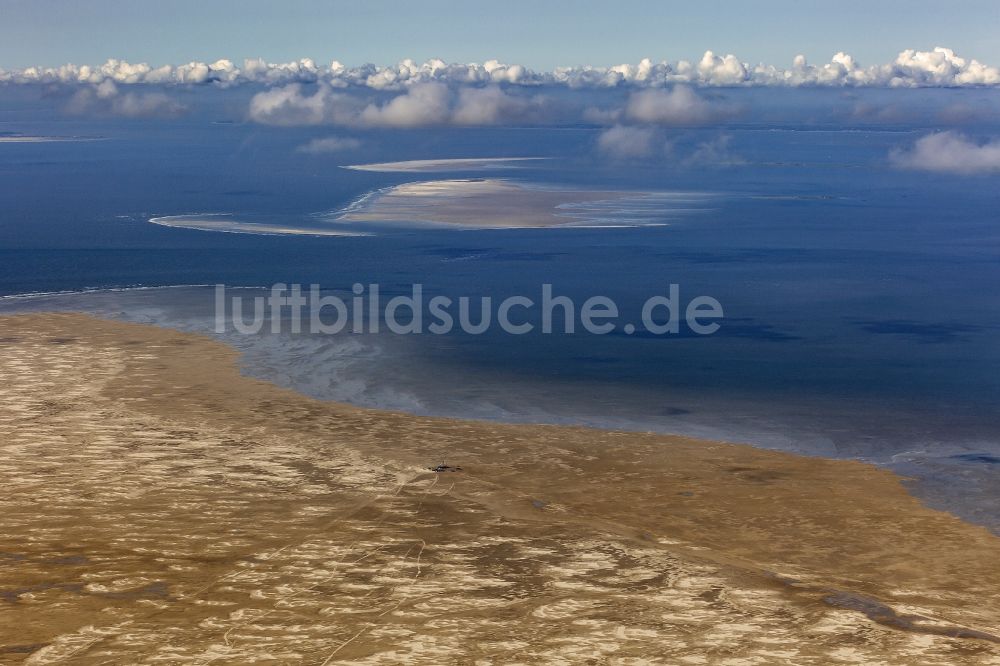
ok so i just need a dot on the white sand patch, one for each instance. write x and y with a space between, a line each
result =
22 138
226 223
431 166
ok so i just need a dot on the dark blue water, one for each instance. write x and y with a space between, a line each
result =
861 308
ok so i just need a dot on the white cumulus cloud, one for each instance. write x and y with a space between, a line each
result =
421 105
715 152
106 99
677 106
949 152
492 106
330 144
293 105
624 143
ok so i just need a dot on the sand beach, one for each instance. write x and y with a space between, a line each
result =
160 507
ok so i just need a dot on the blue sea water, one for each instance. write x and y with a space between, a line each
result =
861 309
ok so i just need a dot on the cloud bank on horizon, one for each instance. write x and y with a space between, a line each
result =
911 69
435 93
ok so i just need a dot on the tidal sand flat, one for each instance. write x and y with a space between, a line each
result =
456 164
476 203
227 223
158 506
499 203
24 138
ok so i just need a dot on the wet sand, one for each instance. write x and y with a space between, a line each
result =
158 506
493 203
433 166
21 138
223 222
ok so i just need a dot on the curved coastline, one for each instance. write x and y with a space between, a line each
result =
364 382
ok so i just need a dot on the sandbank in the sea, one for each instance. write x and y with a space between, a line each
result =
496 203
227 223
452 164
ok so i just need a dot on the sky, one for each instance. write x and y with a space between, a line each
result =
535 33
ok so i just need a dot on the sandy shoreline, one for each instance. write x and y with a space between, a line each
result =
158 505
